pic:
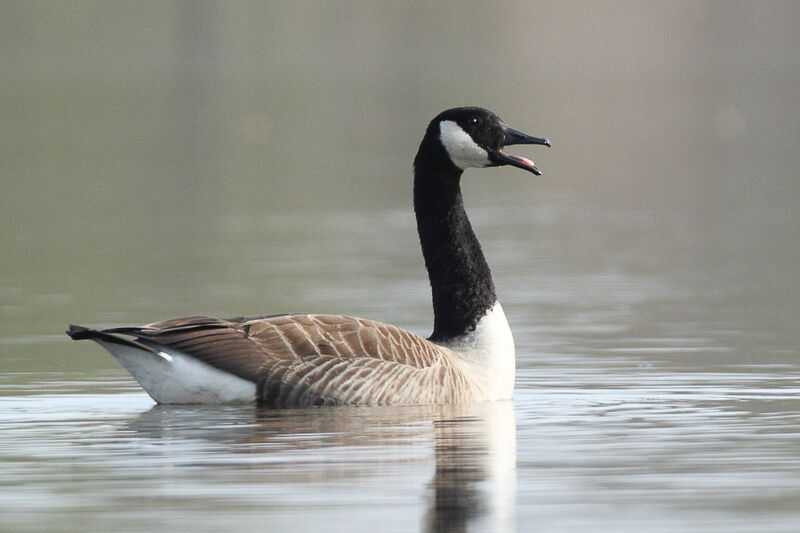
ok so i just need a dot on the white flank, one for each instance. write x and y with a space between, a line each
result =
464 152
172 377
489 349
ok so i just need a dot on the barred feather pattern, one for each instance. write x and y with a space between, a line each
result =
304 360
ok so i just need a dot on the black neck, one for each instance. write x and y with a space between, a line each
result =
461 282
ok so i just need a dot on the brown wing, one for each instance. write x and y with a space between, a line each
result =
315 359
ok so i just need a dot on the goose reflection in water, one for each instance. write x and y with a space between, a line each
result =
312 466
474 487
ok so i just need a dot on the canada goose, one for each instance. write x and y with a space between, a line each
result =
291 360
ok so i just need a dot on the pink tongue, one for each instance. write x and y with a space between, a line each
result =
524 160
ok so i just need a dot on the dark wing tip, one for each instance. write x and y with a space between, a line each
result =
113 336
78 332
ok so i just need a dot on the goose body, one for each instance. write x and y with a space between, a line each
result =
293 360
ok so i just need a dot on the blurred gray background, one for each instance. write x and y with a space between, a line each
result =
163 159
145 143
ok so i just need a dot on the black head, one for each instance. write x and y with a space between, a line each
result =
475 137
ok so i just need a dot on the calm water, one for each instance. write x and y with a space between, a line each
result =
229 159
643 401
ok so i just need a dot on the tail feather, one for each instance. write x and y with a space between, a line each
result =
167 375
82 332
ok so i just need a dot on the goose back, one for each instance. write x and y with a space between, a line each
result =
313 359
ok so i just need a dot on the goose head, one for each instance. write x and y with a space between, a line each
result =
475 137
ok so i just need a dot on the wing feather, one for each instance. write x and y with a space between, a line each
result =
300 359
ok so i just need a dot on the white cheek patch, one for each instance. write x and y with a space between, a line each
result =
463 151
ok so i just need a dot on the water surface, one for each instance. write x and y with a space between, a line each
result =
172 159
640 404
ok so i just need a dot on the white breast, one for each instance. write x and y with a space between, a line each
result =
489 351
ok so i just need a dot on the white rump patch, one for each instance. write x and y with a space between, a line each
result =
172 377
464 152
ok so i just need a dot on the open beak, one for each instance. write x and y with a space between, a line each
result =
512 136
